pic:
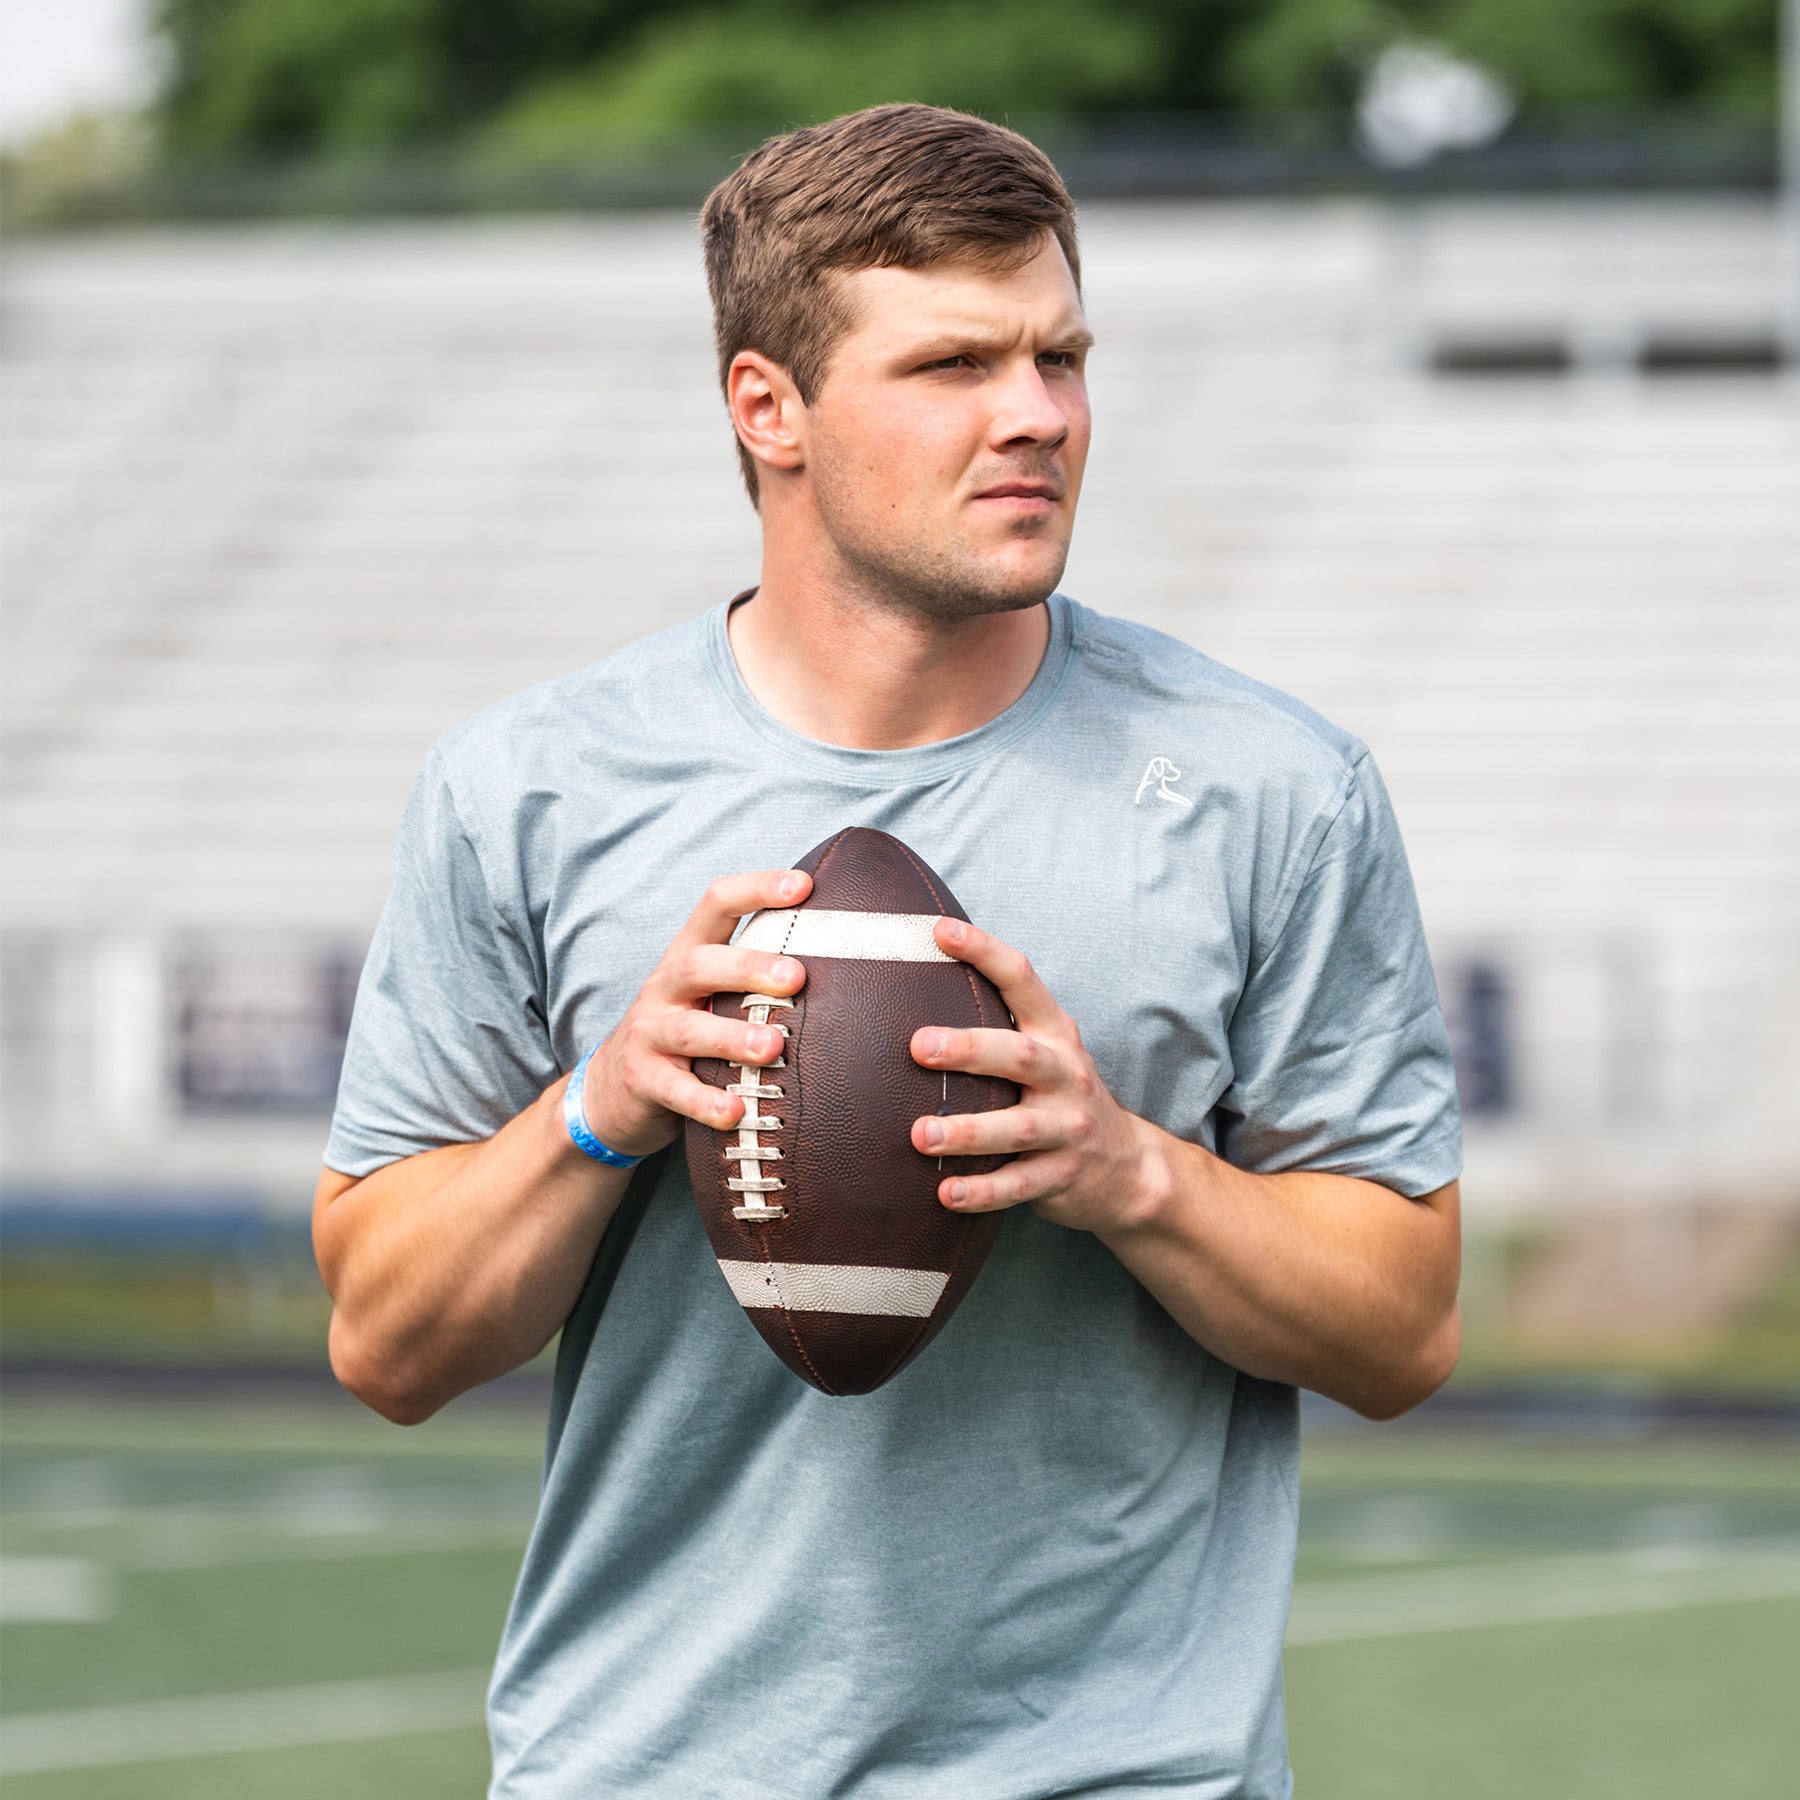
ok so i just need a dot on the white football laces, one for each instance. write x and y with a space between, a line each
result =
750 1153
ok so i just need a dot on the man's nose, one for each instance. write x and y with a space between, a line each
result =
1027 411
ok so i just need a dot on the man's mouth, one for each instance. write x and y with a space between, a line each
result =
1040 493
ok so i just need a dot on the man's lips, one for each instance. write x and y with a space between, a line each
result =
1021 490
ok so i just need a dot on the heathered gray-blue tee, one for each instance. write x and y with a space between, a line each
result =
1054 1555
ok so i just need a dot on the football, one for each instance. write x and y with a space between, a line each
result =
824 1218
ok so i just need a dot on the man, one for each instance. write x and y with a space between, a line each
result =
1054 1555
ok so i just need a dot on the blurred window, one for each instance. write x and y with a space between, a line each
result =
260 1026
1479 1014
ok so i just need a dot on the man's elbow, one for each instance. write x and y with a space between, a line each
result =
1415 1379
376 1381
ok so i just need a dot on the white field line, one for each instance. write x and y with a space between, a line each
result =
1540 1591
334 1712
178 1557
206 1541
62 1590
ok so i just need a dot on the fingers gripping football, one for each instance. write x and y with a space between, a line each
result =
1075 1148
640 1084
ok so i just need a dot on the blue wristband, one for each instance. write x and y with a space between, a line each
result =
575 1117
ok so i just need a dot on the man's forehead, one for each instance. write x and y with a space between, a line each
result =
966 299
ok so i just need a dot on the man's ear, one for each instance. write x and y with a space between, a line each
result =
767 412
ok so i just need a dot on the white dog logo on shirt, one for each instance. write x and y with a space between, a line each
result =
1162 772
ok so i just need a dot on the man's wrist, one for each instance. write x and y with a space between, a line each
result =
581 1133
1150 1193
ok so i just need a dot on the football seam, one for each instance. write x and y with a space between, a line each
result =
787 1318
931 1320
763 1237
924 873
931 888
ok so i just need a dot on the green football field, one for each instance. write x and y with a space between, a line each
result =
296 1599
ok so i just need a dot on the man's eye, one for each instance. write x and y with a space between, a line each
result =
947 362
1058 359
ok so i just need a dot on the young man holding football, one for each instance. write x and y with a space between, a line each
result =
1054 1555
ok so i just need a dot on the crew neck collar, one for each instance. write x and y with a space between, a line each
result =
918 762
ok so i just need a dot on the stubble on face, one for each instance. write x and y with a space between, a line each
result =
938 578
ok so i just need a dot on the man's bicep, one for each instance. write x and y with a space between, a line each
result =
333 1183
1446 1201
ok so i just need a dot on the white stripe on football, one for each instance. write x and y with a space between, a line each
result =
855 936
837 1288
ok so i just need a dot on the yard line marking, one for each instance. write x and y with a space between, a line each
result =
59 1590
152 1558
331 1712
1541 1591
178 1543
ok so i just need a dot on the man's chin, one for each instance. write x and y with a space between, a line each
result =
1005 580
968 583
1020 588
976 598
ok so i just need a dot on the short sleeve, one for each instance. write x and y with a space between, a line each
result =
448 1040
1340 1059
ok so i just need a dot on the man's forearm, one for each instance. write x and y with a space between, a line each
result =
1328 1282
449 1268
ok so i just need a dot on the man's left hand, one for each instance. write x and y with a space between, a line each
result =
1324 1281
1080 1159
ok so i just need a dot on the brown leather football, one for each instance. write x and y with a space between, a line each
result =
824 1218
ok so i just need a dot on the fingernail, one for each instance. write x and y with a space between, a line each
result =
959 1191
790 885
935 1043
786 969
934 1134
955 930
763 1041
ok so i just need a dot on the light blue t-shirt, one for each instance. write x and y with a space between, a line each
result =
1054 1555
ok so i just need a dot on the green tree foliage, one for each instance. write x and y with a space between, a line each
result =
1562 57
769 62
267 77
540 79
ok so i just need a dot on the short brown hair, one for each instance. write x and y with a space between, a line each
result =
900 186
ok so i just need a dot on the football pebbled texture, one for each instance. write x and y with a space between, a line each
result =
824 1218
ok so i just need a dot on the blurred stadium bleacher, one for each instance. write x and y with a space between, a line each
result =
1512 489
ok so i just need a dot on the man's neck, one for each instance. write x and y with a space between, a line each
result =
844 670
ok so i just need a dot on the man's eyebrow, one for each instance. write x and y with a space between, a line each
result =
946 343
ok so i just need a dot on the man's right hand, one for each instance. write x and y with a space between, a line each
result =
452 1266
640 1083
